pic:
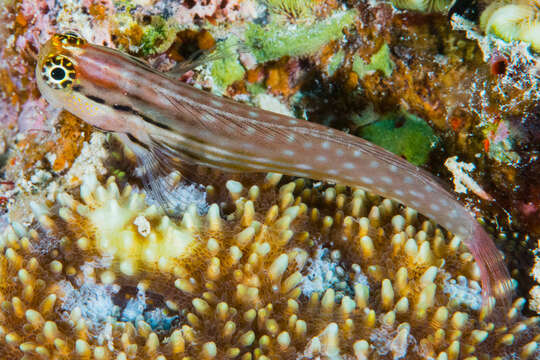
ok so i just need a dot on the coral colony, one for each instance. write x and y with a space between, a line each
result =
261 265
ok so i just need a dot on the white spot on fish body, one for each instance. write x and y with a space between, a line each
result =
216 103
444 202
326 145
288 152
333 172
321 158
304 166
429 188
308 145
399 192
435 207
415 203
254 114
366 180
374 164
408 180
357 153
348 165
291 138
339 152
293 122
386 179
208 118
393 168
454 214
416 194
250 130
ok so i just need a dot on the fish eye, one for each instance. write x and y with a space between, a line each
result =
58 72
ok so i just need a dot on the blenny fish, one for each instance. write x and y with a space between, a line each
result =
167 122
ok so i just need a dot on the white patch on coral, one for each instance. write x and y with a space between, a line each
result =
462 291
534 300
134 309
535 272
324 272
182 196
40 177
381 338
386 339
462 180
93 300
90 160
248 60
271 103
143 225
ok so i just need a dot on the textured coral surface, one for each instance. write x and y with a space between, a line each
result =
285 272
258 267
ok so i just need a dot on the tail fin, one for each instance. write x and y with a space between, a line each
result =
496 281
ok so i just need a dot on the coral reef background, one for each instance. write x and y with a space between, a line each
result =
263 266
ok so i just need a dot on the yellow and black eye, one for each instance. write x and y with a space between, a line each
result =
58 72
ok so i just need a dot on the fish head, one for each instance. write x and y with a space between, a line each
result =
56 70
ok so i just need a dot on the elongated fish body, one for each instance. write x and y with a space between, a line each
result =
166 122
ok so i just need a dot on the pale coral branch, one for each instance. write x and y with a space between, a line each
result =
462 179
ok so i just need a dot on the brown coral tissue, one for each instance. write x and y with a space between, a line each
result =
276 270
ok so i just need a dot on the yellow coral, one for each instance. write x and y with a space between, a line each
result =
513 20
424 5
291 272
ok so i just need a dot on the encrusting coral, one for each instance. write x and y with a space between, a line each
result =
244 280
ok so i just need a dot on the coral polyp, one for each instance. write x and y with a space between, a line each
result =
125 228
517 20
294 271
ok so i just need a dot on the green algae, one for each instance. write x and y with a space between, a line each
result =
157 37
381 61
274 40
256 89
293 8
403 134
335 62
227 69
